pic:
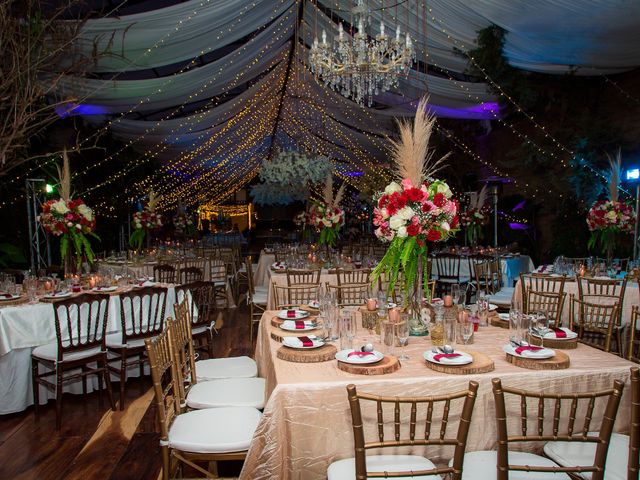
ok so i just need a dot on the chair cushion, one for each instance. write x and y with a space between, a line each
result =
503 296
346 469
483 465
581 453
261 289
227 392
214 430
232 367
114 340
50 352
260 298
200 329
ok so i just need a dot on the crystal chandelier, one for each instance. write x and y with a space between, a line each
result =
360 67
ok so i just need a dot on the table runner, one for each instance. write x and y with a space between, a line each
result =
307 423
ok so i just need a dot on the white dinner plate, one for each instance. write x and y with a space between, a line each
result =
300 314
315 304
104 289
463 359
295 342
503 316
51 296
278 266
145 283
551 335
290 326
535 355
358 358
5 297
492 307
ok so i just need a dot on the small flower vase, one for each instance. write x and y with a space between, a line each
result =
70 263
416 308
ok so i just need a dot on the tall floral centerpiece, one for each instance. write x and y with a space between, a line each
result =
325 214
608 219
415 212
475 217
71 220
183 222
145 221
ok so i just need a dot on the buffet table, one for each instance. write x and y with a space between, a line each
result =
307 423
24 327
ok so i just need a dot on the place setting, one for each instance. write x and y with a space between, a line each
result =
294 323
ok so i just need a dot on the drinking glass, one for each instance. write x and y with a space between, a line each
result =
455 293
450 327
347 330
466 330
388 334
515 325
541 325
483 308
462 296
402 332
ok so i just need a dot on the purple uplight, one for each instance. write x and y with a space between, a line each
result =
518 226
483 111
519 206
79 109
353 174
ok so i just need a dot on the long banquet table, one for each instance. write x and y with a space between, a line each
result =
27 326
307 423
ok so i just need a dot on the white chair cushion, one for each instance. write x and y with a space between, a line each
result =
114 340
232 367
214 430
261 289
260 298
483 465
50 352
227 392
581 453
346 469
200 329
503 296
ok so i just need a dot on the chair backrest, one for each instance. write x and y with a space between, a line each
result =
351 294
164 273
200 298
422 436
562 429
81 323
594 322
251 288
483 274
634 437
633 347
448 266
353 277
142 312
303 277
551 303
181 347
542 283
200 263
294 297
165 383
191 274
606 287
217 270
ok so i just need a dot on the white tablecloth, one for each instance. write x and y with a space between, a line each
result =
261 273
512 267
24 327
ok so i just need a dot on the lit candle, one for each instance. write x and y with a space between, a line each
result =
448 301
340 31
92 281
372 304
398 34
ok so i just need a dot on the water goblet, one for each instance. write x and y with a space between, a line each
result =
402 333
541 325
388 334
466 330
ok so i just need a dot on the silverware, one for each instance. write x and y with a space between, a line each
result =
447 349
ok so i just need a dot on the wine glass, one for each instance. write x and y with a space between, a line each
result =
402 332
542 325
455 293
347 330
388 334
466 330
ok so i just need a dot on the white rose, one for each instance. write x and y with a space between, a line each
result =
69 224
445 226
326 222
78 226
85 212
406 213
444 189
60 207
396 222
402 232
392 187
611 215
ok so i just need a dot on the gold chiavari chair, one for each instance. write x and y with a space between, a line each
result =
164 273
200 298
384 281
552 304
594 322
633 346
525 412
576 261
483 277
294 297
218 275
448 267
351 294
222 392
190 275
394 465
547 290
616 467
377 250
541 282
198 435
303 277
353 277
257 299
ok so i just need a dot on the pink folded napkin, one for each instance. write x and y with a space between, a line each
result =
559 332
529 348
359 354
291 314
445 355
299 325
306 341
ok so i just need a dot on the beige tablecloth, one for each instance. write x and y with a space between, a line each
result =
307 424
631 298
261 273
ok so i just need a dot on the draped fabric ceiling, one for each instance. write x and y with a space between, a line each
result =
239 70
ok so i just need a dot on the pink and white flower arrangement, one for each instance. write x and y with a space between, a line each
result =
183 224
146 220
325 214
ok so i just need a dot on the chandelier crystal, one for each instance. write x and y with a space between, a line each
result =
359 67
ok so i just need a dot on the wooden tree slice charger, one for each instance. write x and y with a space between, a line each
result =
496 321
388 364
555 343
559 361
276 321
481 364
322 354
277 333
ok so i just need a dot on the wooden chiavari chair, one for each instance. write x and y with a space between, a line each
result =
215 393
378 250
141 317
351 295
552 304
594 322
218 275
199 435
365 466
257 298
384 281
353 277
200 297
164 273
596 290
190 275
531 407
448 267
73 355
303 277
294 297
483 277
617 467
633 345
